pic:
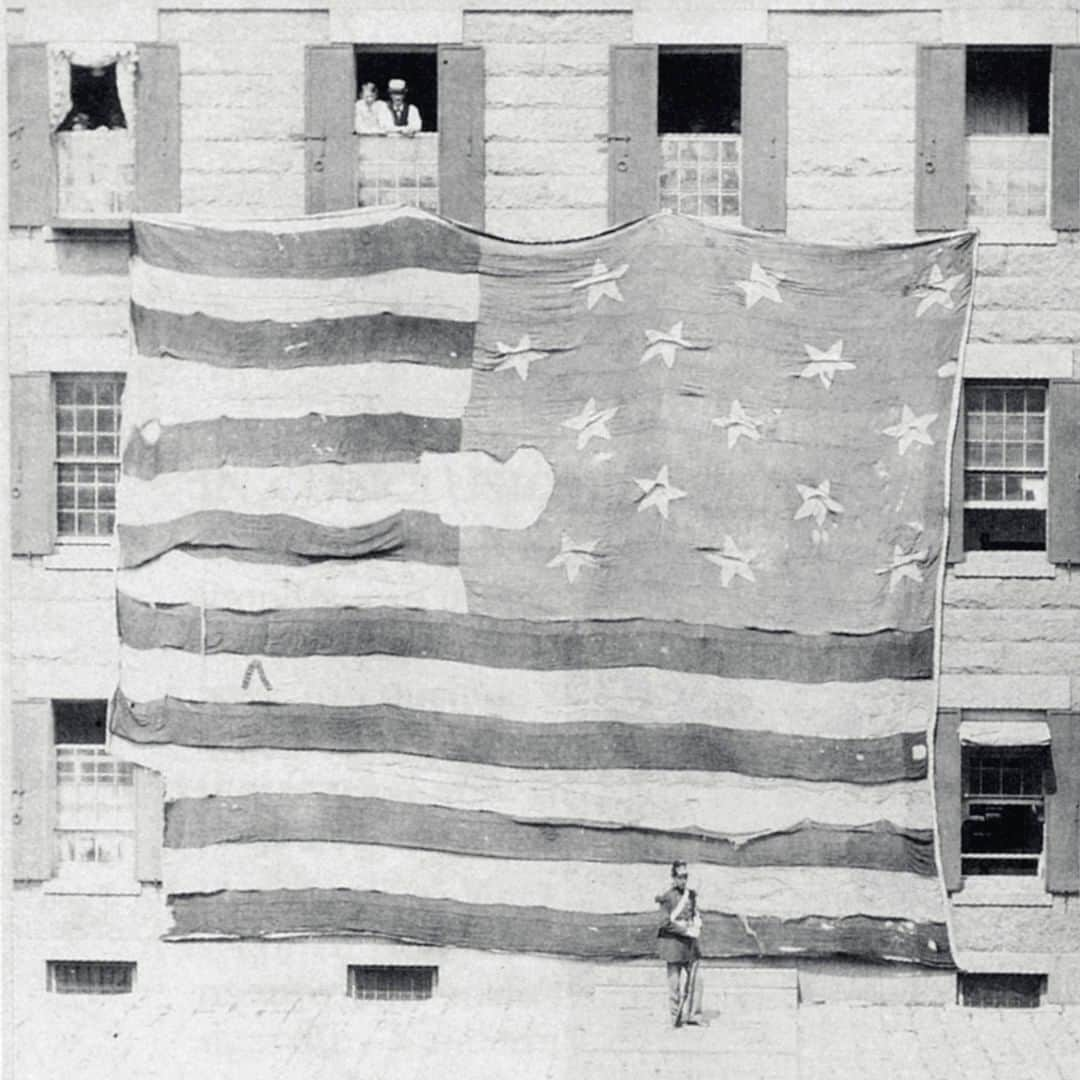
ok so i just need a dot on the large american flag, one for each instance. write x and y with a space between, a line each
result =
466 583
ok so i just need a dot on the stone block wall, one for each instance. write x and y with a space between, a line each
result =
242 108
547 118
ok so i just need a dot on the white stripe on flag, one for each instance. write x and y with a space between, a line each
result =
178 578
183 391
429 294
468 488
726 804
784 892
632 695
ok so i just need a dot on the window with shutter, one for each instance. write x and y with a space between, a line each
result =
997 144
94 133
699 130
396 124
1008 798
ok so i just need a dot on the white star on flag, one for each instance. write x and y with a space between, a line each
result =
817 502
573 556
761 285
937 290
911 429
903 566
663 343
733 563
600 283
824 364
658 492
591 423
518 356
738 423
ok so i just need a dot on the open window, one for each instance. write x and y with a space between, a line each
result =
699 119
699 130
995 140
95 802
1005 466
92 114
94 133
396 121
1007 785
433 158
1007 123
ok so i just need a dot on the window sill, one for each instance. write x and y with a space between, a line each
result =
109 225
83 556
89 886
1035 232
991 891
1004 564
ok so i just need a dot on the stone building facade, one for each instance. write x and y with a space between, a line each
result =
860 123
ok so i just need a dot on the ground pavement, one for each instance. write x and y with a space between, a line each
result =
321 1038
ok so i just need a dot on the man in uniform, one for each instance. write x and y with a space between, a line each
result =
679 947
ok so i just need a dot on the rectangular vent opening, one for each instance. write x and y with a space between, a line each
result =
90 977
392 982
1001 990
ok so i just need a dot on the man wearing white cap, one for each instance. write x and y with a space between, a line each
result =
404 119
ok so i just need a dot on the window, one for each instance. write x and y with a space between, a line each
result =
89 977
1004 810
1005 466
95 798
392 983
999 990
87 454
1008 133
699 119
396 125
92 110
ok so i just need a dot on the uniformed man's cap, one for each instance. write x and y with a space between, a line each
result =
396 86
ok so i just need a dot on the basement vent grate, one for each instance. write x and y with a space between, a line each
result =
90 977
384 982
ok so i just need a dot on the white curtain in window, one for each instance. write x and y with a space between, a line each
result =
1004 733
61 57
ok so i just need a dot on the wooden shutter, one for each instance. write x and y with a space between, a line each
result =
149 823
461 133
1063 473
949 792
157 129
33 801
1063 805
764 137
633 139
940 160
329 105
30 171
33 475
955 551
1065 129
